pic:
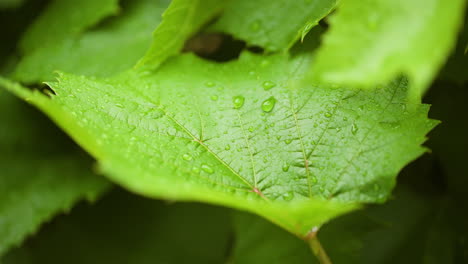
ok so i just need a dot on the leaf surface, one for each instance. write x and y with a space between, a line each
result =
247 134
181 20
102 51
274 25
63 18
40 174
373 41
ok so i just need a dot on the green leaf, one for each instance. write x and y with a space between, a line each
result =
103 51
274 25
411 228
39 177
373 41
64 18
182 19
260 242
246 134
124 228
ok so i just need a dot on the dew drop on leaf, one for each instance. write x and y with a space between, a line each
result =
228 147
209 84
207 169
238 101
314 179
328 114
196 170
285 167
187 157
288 196
214 98
267 85
288 141
119 105
354 129
268 104
255 26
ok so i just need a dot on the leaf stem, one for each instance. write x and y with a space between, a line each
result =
317 247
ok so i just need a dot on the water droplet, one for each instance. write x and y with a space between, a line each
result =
267 85
252 72
255 26
119 105
268 104
285 167
227 147
264 63
187 157
220 88
288 141
214 98
251 129
196 170
209 84
238 101
354 129
207 169
314 179
327 114
288 196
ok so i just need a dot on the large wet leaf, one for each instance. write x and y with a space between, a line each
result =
247 134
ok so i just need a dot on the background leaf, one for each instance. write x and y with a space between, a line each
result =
41 174
124 228
373 41
181 20
112 47
273 25
258 241
64 18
